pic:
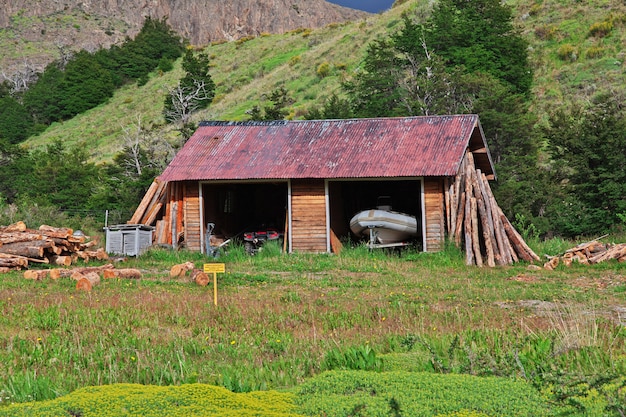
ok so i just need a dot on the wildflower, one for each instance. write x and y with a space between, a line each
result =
39 339
232 342
383 319
132 358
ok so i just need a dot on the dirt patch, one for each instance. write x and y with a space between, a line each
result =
524 278
599 283
559 312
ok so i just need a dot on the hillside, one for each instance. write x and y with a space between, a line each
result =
34 31
572 62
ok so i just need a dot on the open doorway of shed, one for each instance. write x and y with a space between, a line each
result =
238 207
347 198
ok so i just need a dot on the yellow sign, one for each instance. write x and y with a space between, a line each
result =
214 268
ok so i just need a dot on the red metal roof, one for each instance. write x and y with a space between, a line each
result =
355 148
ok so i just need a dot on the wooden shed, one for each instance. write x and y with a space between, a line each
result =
307 178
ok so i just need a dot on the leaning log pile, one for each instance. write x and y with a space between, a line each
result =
159 203
477 224
589 253
21 246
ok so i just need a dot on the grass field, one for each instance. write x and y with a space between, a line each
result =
283 321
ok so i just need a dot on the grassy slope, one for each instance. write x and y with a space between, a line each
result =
245 71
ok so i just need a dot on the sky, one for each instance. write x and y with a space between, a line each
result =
373 6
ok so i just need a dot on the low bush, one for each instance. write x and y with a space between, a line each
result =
567 52
358 393
146 401
601 29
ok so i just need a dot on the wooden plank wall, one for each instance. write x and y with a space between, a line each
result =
191 212
308 216
435 217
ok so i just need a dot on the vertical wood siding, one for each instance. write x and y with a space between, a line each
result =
193 226
435 220
308 216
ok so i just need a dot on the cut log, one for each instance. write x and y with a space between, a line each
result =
87 255
129 273
64 273
85 282
552 263
486 225
28 260
15 227
180 270
153 213
615 252
61 260
459 220
521 248
475 239
200 277
503 255
17 262
467 220
60 232
36 274
15 237
31 249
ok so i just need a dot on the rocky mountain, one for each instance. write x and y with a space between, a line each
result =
34 32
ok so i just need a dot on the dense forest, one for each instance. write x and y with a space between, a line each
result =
559 174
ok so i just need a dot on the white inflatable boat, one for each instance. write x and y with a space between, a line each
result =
384 226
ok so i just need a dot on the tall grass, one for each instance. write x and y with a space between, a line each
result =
284 318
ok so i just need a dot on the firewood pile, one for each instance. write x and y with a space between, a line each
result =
21 246
86 277
589 253
477 223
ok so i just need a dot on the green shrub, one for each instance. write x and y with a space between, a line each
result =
294 60
545 33
243 40
323 70
165 64
594 52
341 393
567 52
140 400
601 29
535 9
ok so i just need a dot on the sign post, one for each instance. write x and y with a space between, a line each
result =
214 268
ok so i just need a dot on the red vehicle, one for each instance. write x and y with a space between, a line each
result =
253 241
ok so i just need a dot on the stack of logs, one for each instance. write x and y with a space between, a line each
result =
20 246
477 223
85 277
156 200
592 252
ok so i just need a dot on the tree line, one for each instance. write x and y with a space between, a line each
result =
62 179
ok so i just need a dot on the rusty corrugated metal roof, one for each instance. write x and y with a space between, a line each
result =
354 148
